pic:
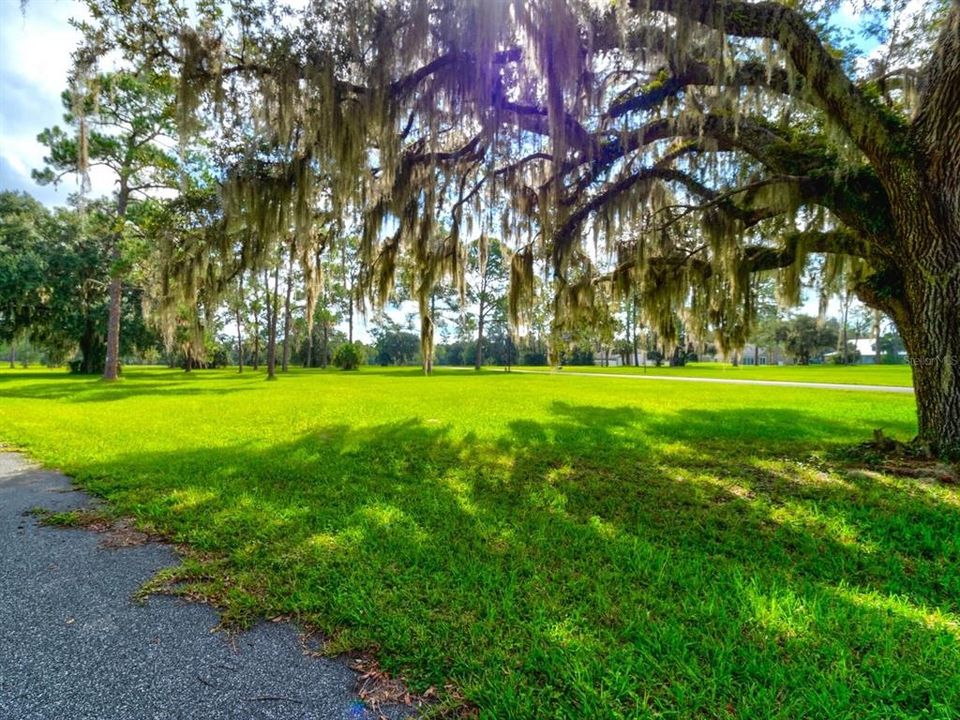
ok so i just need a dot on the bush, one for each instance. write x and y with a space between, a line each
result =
348 357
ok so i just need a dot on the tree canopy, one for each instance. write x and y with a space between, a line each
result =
668 148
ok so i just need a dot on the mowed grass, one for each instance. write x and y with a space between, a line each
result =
554 546
898 375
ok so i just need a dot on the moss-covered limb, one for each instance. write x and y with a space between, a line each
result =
726 201
856 197
666 86
514 167
567 234
469 151
854 194
754 258
866 123
535 119
797 243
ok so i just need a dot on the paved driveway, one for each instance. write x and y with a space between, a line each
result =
74 646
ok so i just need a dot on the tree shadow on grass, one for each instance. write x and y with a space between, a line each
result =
603 563
83 389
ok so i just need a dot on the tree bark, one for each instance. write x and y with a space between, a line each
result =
348 283
239 324
272 308
325 360
929 322
285 362
111 367
350 317
478 357
256 338
310 336
481 311
933 347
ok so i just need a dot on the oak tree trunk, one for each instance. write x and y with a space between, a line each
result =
929 323
111 366
325 358
925 199
239 344
256 338
310 338
350 317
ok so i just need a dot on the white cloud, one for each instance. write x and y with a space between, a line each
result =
35 48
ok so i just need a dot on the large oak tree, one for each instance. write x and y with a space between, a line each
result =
669 148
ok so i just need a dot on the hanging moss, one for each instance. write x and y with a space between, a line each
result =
439 127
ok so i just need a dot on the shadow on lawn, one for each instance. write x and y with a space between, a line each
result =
601 562
83 389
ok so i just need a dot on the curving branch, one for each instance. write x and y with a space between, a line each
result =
830 89
938 113
750 74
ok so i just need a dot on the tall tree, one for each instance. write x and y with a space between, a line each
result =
120 120
287 314
805 338
489 290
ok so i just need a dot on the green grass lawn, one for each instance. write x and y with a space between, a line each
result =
900 375
555 546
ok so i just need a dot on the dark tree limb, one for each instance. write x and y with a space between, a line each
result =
867 124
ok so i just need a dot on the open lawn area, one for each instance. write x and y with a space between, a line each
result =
553 546
899 375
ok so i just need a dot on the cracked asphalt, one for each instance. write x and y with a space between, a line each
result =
74 645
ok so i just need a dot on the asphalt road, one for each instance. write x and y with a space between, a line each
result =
73 645
728 381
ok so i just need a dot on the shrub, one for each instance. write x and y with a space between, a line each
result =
348 357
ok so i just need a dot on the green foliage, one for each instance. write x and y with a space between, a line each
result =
348 356
804 337
394 345
554 546
54 272
117 119
24 225
849 356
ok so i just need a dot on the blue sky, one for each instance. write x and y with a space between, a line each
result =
35 47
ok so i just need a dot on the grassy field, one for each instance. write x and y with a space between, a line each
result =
899 375
554 546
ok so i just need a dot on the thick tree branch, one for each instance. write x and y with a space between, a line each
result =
829 87
937 122
751 74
